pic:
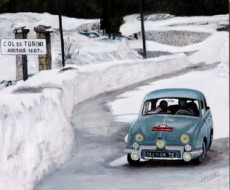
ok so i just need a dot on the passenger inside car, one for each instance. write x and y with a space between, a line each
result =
162 108
174 106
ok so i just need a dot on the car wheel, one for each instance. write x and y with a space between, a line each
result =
200 159
132 162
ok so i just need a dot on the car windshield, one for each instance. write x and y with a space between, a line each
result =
172 106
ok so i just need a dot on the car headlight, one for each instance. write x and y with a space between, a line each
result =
184 139
139 137
136 146
160 143
187 156
187 147
135 156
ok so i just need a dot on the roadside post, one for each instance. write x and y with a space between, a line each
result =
61 32
21 60
45 61
142 28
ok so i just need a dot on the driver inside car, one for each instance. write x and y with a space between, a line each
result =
184 106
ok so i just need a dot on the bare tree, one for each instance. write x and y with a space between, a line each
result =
71 52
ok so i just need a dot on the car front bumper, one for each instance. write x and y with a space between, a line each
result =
178 150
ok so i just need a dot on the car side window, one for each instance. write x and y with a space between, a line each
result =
147 107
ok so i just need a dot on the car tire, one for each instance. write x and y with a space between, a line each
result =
200 159
132 162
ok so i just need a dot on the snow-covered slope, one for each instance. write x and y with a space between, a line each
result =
195 23
97 50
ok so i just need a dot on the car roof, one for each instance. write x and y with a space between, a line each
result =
175 93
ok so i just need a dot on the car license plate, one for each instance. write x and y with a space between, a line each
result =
161 154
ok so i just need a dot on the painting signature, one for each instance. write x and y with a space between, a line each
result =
209 177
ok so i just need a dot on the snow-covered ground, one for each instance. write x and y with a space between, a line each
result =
213 84
198 23
35 119
97 50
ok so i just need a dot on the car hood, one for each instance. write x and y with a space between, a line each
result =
180 124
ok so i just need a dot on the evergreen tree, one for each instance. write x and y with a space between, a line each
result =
216 6
105 16
112 16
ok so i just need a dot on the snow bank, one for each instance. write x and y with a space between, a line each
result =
36 133
211 50
115 75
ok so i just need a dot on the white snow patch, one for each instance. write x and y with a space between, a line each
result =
42 23
123 45
215 88
211 49
126 138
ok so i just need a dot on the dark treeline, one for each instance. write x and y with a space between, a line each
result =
112 11
94 8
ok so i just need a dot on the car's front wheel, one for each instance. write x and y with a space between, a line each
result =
131 161
200 159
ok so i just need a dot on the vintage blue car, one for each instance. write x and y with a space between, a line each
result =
173 124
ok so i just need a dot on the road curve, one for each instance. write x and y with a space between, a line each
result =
99 161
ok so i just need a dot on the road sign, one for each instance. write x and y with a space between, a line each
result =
23 46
